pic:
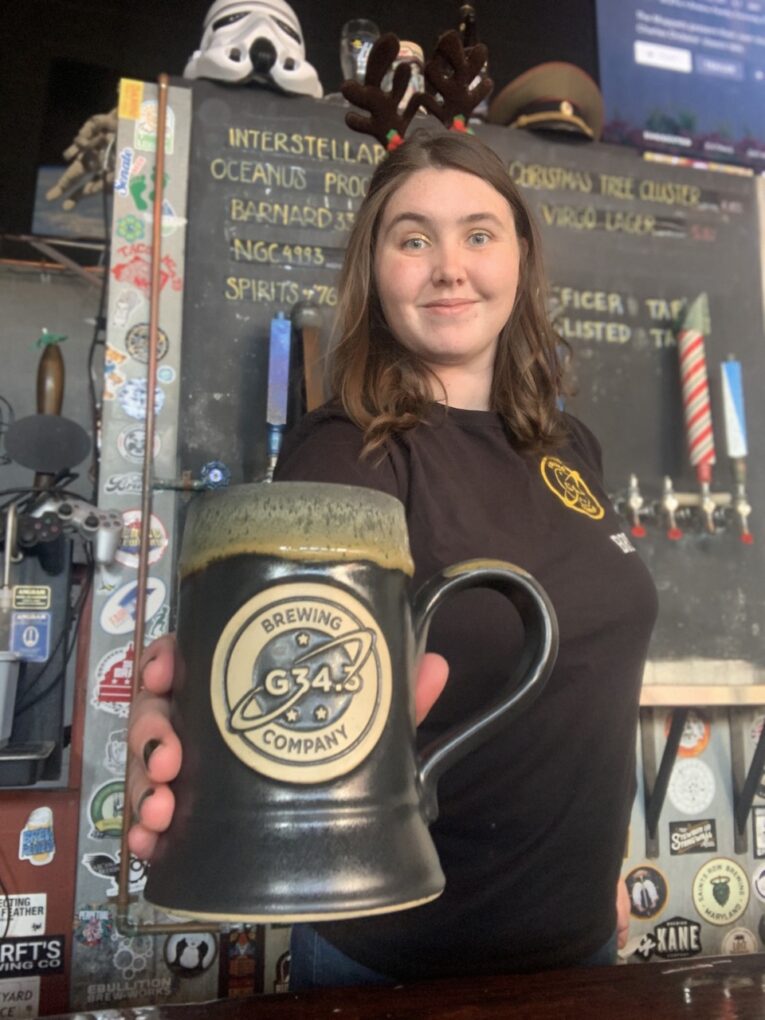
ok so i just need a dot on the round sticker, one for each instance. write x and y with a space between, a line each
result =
695 736
106 808
190 953
118 614
137 342
132 397
738 941
691 786
648 891
130 544
131 443
758 883
301 683
721 891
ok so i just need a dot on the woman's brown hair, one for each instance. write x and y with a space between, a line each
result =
385 388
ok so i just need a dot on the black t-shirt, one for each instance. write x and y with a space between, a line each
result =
532 825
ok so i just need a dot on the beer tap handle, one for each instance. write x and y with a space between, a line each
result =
669 505
736 442
50 387
9 556
635 503
278 387
697 407
306 319
706 502
50 374
741 505
742 508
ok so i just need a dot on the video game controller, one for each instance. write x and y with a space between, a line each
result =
103 528
43 535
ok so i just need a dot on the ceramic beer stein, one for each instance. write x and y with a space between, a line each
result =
302 795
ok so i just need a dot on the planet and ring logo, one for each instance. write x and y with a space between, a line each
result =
569 486
301 682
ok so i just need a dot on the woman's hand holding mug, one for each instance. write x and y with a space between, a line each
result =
156 752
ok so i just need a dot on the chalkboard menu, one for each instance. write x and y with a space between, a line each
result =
274 182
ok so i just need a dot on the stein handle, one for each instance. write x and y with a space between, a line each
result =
528 679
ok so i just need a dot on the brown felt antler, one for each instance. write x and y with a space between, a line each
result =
450 72
385 122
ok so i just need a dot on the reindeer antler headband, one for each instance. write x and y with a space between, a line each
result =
449 72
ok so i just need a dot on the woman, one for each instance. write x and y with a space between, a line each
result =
447 384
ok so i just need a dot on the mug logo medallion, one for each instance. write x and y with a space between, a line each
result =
570 488
301 682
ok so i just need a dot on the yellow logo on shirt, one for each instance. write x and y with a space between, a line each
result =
570 488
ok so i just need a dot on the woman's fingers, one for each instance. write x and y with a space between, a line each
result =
430 681
152 803
152 739
155 751
157 808
142 842
157 665
153 806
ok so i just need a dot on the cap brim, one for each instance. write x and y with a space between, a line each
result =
555 80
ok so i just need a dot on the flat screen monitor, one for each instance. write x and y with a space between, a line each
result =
685 77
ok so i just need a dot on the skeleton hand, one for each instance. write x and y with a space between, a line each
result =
91 161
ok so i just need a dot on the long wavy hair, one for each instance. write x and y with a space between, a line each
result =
385 388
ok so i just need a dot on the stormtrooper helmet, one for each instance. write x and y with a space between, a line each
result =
254 41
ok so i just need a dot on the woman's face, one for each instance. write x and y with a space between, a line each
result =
446 266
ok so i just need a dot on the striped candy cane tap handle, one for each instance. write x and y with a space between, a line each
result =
695 385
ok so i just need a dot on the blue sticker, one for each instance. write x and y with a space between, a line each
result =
36 841
132 398
30 636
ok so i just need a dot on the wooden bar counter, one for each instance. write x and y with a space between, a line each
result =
727 988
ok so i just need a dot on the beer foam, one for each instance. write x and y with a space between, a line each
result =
303 521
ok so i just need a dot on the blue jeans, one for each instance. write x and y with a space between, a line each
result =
603 957
315 963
